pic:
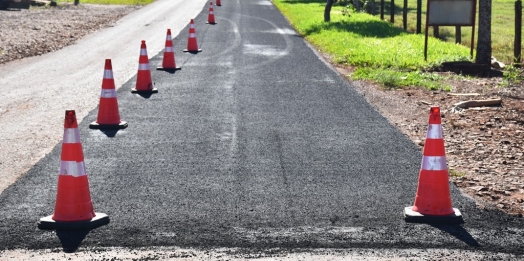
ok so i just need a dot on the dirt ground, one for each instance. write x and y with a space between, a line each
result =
483 144
484 149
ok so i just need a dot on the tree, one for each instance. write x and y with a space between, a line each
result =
327 10
484 33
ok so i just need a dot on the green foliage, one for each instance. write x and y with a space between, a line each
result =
348 9
455 174
512 76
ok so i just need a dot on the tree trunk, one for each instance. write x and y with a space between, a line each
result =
484 33
371 7
327 10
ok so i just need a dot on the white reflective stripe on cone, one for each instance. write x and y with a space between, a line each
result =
108 93
192 26
434 131
169 49
108 74
71 135
143 52
168 38
72 168
434 163
143 66
191 35
211 12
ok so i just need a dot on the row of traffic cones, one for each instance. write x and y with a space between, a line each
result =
73 207
144 83
108 114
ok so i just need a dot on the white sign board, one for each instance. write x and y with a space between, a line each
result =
451 12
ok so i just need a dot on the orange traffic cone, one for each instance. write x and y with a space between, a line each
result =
433 199
108 115
192 45
73 207
211 14
144 84
218 3
168 63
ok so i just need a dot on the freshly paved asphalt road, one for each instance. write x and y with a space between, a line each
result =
255 143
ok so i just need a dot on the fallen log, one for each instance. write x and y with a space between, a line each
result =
478 103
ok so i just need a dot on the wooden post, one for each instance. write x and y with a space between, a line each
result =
392 10
518 31
435 32
419 16
458 34
405 15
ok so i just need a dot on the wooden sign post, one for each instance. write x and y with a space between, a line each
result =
450 13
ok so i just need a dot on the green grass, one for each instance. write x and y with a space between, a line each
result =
456 174
502 26
111 2
379 50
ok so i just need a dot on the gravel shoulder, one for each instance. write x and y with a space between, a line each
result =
39 30
238 254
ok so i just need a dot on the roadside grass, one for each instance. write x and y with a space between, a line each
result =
381 51
378 50
111 2
502 26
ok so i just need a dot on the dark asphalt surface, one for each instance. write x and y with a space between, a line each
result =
255 143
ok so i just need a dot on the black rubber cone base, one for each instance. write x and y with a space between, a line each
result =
48 223
168 69
416 217
210 23
95 125
154 90
192 51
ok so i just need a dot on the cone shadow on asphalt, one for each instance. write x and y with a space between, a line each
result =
459 232
193 51
169 70
71 240
111 133
146 95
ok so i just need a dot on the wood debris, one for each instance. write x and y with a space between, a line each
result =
463 94
478 103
